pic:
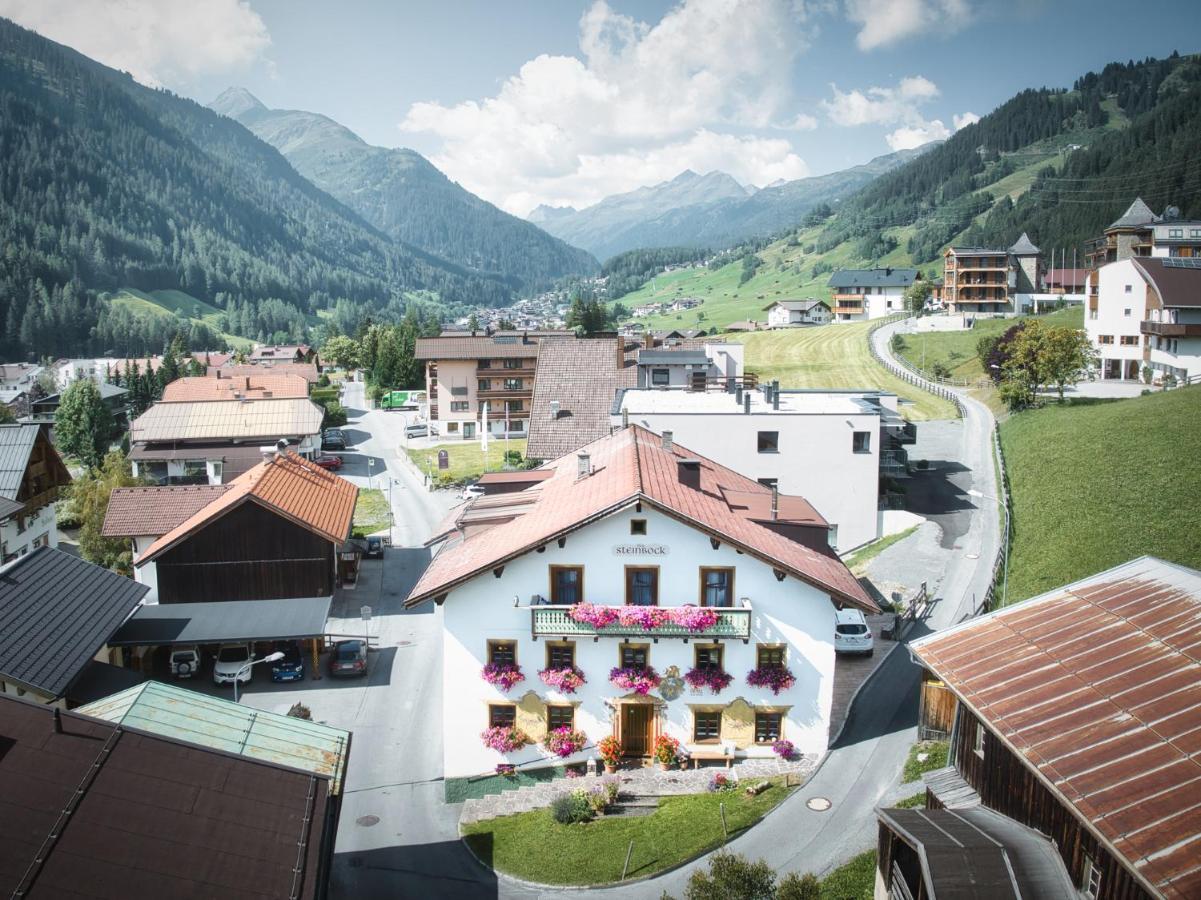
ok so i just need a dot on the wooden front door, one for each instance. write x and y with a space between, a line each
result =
636 729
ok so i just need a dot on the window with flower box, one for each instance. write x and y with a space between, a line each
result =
566 584
502 653
767 727
642 586
717 587
560 717
502 715
634 655
560 655
769 656
706 725
708 657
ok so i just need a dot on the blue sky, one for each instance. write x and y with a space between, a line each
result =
566 101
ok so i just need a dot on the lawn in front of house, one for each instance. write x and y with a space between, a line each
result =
467 459
370 513
534 847
833 356
934 756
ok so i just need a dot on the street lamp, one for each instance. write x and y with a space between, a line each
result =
270 657
1005 507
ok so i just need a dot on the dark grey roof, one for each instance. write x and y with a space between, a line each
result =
225 622
797 305
1024 246
99 680
107 392
673 357
977 852
16 443
1139 213
887 277
56 611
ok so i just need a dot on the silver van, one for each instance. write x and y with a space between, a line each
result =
412 431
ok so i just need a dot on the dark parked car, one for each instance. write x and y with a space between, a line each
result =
333 439
348 658
291 667
375 548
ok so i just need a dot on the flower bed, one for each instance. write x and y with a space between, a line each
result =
641 679
566 680
778 678
564 741
503 675
504 738
716 680
645 618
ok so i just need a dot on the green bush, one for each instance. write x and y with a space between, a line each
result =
940 370
572 809
335 416
799 887
732 877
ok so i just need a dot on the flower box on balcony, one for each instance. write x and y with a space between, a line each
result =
641 621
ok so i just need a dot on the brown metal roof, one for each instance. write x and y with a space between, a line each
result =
92 809
504 346
212 420
258 387
307 371
153 511
1177 286
1097 687
295 488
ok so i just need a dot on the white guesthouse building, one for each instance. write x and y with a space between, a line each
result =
629 522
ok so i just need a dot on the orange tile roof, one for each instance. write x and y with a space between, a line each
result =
286 484
628 466
1096 687
153 511
307 371
254 387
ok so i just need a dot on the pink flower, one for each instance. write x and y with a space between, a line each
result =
641 679
645 618
567 680
694 618
564 741
717 680
778 678
591 614
783 749
503 675
504 738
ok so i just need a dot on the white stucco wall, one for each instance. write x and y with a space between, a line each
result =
40 524
145 574
1121 306
815 458
789 612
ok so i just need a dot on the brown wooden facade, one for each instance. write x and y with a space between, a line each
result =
44 475
1006 784
250 553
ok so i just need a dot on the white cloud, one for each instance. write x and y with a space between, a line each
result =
159 42
908 137
894 106
641 102
962 120
884 22
801 122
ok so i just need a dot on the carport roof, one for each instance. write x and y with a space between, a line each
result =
225 622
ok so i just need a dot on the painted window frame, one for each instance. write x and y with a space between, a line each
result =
779 730
499 643
761 649
703 596
697 713
510 714
627 646
560 707
559 646
654 586
553 590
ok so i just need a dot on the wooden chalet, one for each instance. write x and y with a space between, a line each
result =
1076 728
32 474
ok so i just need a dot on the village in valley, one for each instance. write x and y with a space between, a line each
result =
854 558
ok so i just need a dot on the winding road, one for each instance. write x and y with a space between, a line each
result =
413 851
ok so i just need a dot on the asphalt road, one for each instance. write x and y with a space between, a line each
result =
398 839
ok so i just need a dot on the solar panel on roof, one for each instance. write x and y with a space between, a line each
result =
1182 262
504 340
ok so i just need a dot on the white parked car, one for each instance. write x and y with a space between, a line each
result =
232 659
851 634
471 492
185 662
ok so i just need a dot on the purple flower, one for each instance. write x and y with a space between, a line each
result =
564 741
784 749
503 675
716 680
694 618
778 678
591 614
641 679
504 738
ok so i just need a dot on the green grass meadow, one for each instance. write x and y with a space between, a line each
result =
1097 484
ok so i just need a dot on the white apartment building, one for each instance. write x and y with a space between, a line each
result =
688 366
1113 318
862 294
789 313
634 558
830 447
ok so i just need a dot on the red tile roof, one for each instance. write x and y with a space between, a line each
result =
628 466
153 511
1097 688
286 484
254 387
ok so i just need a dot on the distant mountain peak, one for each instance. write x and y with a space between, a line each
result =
236 101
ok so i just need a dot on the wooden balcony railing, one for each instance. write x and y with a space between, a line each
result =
1170 329
555 622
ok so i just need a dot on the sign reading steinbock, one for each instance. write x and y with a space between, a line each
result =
641 550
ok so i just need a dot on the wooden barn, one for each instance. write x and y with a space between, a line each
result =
1075 741
274 532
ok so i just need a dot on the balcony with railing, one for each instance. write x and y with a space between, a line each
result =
1170 329
732 623
894 462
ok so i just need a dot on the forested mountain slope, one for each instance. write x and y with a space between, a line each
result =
403 195
1057 164
107 184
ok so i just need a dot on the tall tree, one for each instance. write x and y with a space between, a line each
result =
83 425
89 495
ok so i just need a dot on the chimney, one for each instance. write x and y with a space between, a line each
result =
775 502
738 394
746 403
625 418
554 409
667 440
775 395
689 472
58 721
583 465
525 337
648 340
621 353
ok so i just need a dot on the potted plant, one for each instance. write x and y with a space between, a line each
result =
777 678
504 738
564 741
784 749
667 749
609 750
503 675
567 680
640 679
